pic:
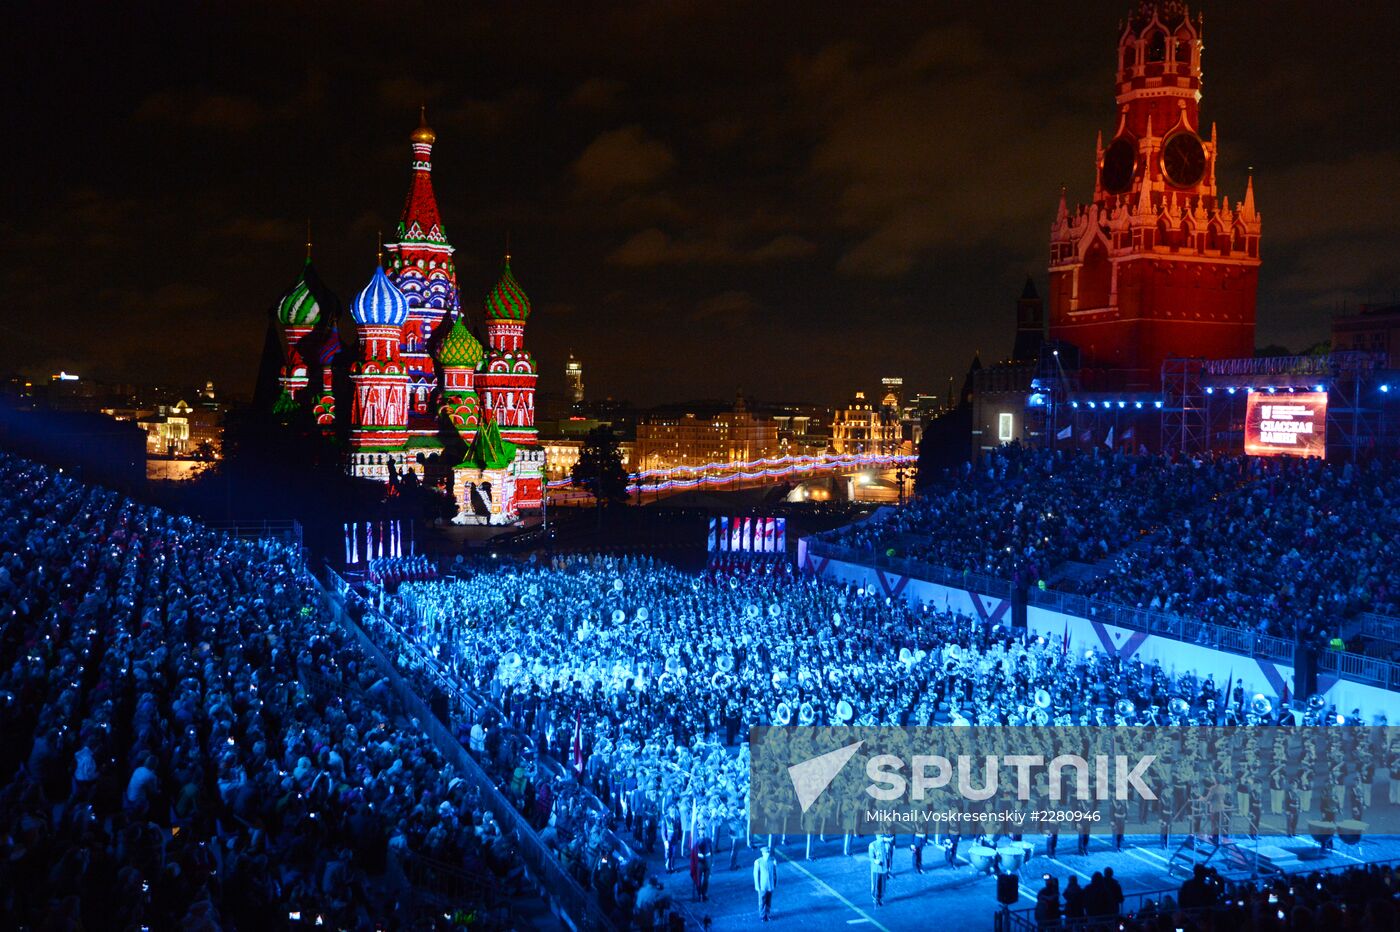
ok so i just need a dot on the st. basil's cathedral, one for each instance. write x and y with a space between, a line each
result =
422 388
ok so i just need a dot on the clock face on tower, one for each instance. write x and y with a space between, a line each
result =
1119 159
1184 160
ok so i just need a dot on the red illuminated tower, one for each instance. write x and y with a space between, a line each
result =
1158 264
420 264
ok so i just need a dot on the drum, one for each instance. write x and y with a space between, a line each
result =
1350 831
1013 857
981 858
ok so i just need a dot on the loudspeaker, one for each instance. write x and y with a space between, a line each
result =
1019 599
1008 889
1304 670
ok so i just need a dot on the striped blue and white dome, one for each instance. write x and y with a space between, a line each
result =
381 304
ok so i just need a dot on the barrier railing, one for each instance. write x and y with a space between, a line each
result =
288 530
1379 627
928 572
1357 668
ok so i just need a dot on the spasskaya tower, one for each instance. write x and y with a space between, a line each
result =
1159 263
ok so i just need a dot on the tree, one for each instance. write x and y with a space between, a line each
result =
599 468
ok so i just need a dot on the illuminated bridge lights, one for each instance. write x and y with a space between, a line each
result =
683 477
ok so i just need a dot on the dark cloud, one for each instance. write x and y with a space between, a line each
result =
623 158
596 94
682 182
229 112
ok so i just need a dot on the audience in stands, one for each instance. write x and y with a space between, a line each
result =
1274 545
189 742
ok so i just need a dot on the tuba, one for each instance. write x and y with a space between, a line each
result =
844 712
1179 707
1042 698
1125 709
806 714
782 715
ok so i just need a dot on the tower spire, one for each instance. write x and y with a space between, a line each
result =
1247 212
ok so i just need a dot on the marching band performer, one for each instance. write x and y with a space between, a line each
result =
1393 763
765 881
1277 781
880 852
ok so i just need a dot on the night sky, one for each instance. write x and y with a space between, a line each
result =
795 199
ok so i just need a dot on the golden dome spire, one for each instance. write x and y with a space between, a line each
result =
424 133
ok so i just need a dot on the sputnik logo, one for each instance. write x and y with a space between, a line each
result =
811 777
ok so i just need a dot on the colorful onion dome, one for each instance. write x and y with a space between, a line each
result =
507 300
298 307
380 304
424 133
460 348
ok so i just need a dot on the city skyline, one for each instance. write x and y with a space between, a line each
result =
778 186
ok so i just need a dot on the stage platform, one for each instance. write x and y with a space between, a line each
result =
832 891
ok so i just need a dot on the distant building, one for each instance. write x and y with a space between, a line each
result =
893 397
573 377
803 430
862 427
561 455
700 434
1374 329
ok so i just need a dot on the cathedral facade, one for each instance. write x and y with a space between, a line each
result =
423 388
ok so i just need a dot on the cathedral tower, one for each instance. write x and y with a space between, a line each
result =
380 416
1159 264
421 266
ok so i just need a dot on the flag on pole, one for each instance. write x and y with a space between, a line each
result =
577 744
1065 434
1108 441
1064 646
1128 434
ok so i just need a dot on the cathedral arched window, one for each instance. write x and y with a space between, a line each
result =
1216 239
1095 277
1157 46
1129 55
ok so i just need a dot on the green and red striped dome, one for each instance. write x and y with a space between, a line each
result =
507 301
459 348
